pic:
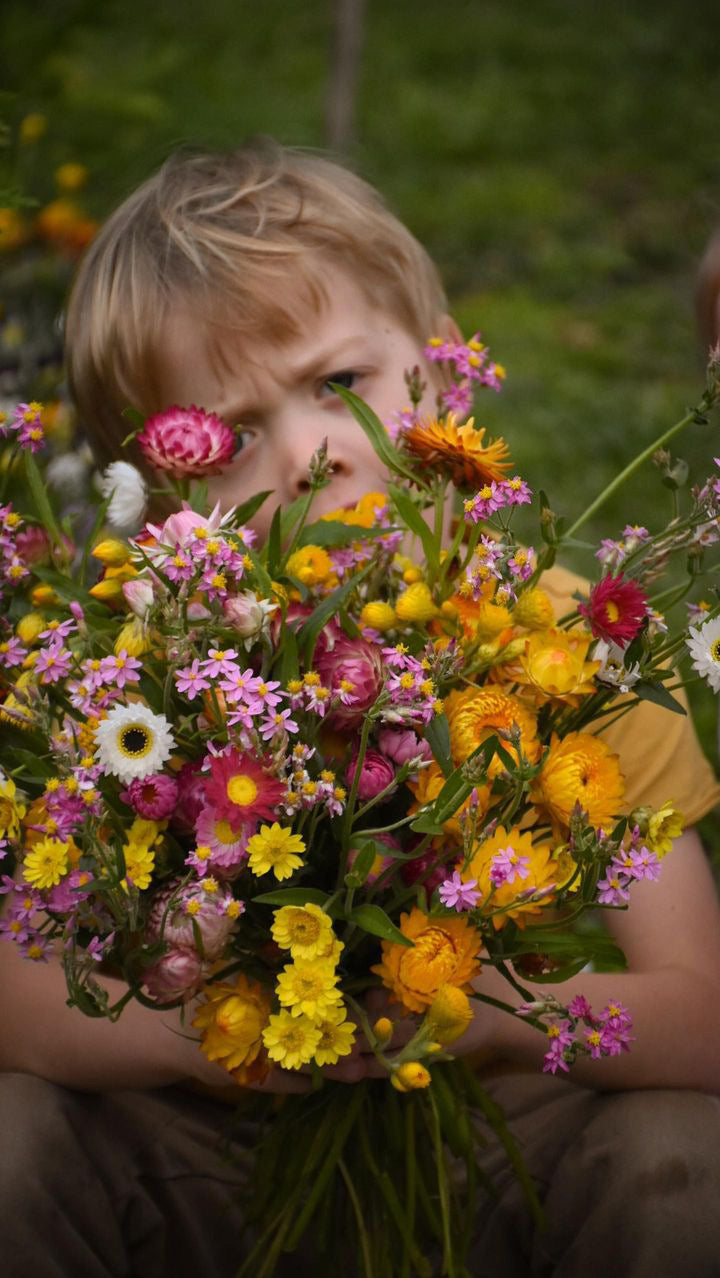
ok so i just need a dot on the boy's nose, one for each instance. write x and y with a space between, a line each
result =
295 458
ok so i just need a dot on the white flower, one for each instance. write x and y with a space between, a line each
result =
704 648
612 669
126 488
133 742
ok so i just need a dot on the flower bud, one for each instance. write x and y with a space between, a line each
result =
410 1076
383 1030
378 615
139 595
449 1014
28 627
416 604
111 552
108 589
44 596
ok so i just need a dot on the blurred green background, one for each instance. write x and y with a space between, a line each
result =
560 160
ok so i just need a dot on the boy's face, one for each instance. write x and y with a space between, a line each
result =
281 397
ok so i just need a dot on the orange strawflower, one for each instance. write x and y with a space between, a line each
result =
580 768
474 715
458 450
445 953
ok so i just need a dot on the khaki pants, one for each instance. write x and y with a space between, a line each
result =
134 1185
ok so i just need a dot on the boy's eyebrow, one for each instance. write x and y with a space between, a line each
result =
325 359
330 358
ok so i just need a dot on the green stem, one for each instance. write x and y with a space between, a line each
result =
634 465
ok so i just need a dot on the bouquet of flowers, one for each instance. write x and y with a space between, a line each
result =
257 782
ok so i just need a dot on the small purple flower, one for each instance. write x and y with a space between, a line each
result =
190 680
53 663
507 866
613 890
220 662
459 895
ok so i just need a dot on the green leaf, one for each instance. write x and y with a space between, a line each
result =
376 433
373 919
437 735
326 609
292 896
660 696
249 508
40 497
199 497
368 851
289 665
415 522
274 543
426 823
330 532
264 580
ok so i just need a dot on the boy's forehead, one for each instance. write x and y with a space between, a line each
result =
197 356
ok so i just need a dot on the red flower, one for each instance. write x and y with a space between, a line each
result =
187 441
615 610
239 789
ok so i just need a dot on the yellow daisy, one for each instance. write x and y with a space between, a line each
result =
275 848
305 930
46 864
291 1040
309 987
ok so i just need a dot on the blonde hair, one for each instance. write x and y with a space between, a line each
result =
228 234
707 294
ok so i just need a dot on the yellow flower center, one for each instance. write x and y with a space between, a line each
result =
612 612
224 832
715 650
241 790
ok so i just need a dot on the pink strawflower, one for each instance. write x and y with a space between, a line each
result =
193 907
338 658
376 775
191 797
187 441
154 797
177 975
402 745
227 842
616 609
458 894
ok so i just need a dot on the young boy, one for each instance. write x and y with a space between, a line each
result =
246 284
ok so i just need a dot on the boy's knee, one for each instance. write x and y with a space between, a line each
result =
657 1143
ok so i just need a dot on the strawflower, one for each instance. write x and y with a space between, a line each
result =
579 768
291 1040
124 488
704 648
616 609
240 789
305 930
308 987
46 864
458 450
187 441
232 1021
444 951
133 742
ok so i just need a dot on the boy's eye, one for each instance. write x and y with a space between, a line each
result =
242 439
345 377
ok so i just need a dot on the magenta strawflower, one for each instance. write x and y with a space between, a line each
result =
187 441
376 774
616 609
240 790
154 797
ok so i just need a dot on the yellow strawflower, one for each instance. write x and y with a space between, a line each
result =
580 767
46 864
664 826
336 1036
538 860
291 1040
312 565
133 638
275 848
12 810
70 176
309 988
304 930
112 552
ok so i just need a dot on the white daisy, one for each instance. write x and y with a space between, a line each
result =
126 488
704 648
133 742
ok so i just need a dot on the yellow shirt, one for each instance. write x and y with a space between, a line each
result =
660 755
